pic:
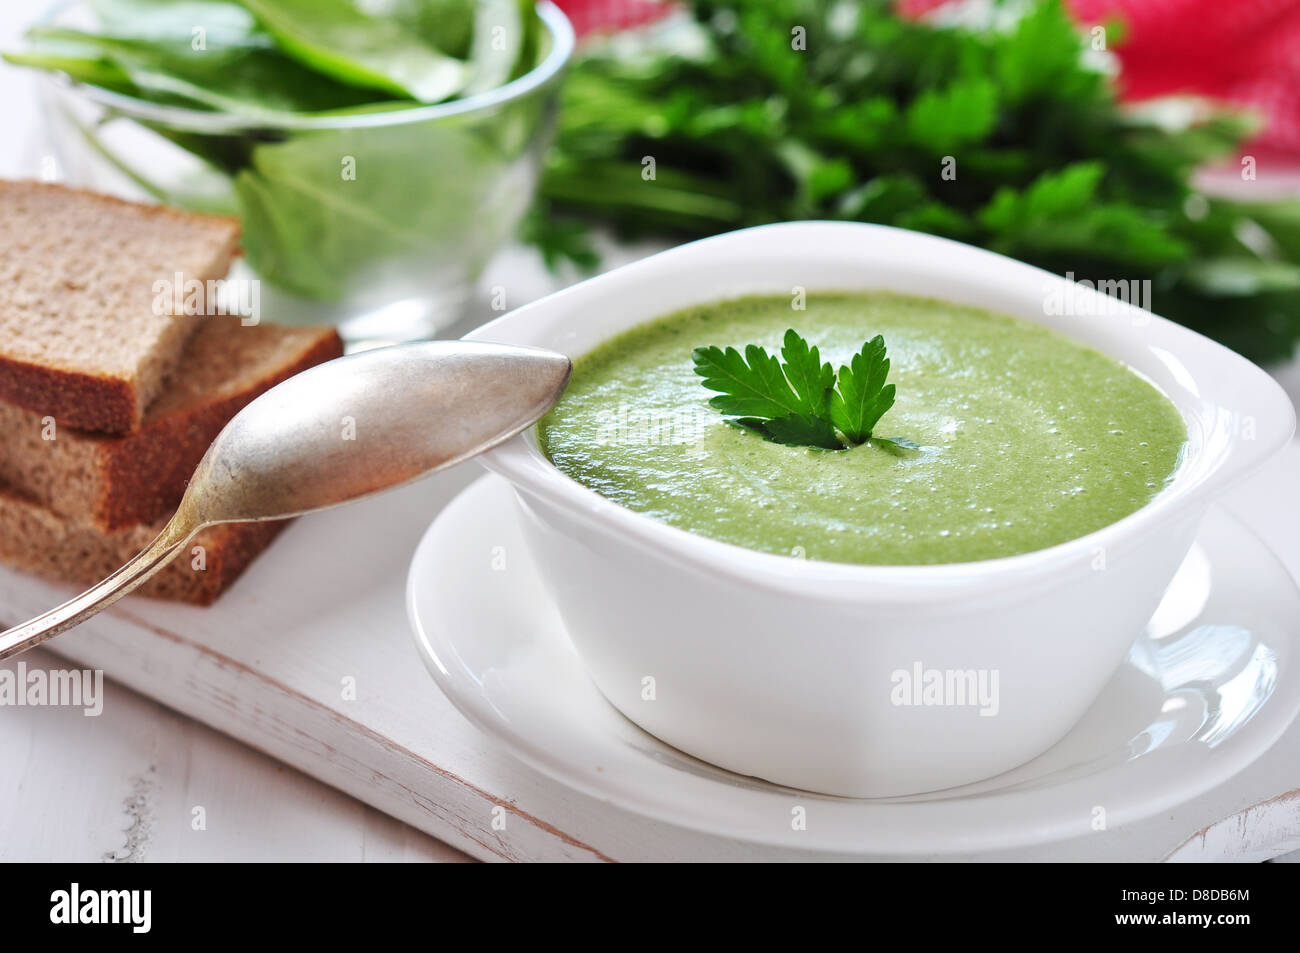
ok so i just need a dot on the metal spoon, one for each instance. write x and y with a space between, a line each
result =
336 433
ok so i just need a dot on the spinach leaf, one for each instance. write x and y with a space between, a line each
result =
445 24
213 22
80 63
498 39
505 43
335 38
247 79
420 193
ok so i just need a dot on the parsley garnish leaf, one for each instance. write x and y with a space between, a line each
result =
862 396
809 377
895 445
801 401
749 386
802 430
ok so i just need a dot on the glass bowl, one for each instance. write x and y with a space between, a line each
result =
378 222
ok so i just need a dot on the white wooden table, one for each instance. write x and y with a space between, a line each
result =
266 666
124 787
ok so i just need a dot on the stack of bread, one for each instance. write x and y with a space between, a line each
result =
106 404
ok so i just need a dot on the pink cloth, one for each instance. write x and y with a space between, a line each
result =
596 16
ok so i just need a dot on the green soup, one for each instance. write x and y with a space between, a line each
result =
1027 438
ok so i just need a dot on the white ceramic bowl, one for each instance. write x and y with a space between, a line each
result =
789 669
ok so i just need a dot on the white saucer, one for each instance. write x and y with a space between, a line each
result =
1210 686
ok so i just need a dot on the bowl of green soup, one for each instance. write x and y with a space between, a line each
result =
769 557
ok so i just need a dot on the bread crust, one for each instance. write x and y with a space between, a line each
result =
94 403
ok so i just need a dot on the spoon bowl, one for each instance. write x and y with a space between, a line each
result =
370 422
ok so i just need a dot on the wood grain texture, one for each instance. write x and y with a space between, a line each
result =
1260 832
124 786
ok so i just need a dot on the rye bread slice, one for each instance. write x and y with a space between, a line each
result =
111 482
35 540
79 336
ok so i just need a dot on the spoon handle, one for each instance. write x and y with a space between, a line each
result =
103 594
